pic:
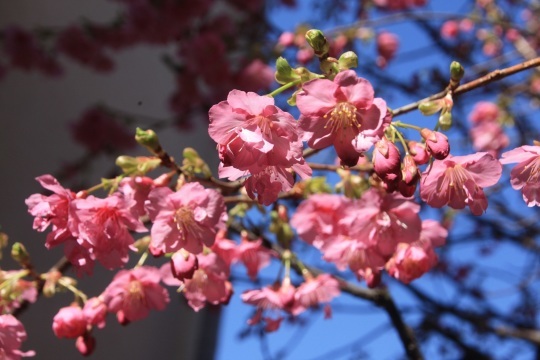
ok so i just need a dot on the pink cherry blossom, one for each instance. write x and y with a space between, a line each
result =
450 29
315 291
276 299
51 210
342 113
188 218
410 261
69 322
317 218
94 311
12 334
387 46
225 248
398 4
489 136
257 140
209 283
525 175
253 255
74 42
484 111
133 293
102 227
137 188
459 181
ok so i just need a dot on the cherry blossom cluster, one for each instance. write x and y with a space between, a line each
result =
373 227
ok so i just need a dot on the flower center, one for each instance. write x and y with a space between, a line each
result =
266 125
534 170
183 218
343 115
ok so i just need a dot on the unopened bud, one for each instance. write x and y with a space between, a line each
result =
137 166
284 72
318 42
348 60
456 72
148 139
430 107
445 121
20 255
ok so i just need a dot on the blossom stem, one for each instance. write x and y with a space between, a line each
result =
281 89
79 294
143 258
401 139
406 126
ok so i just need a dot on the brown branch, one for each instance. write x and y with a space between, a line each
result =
484 80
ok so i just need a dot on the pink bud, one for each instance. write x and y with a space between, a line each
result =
419 152
69 322
437 143
86 344
410 170
184 264
450 29
386 160
95 311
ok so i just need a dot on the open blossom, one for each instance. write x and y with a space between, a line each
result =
459 181
526 174
12 334
315 291
276 299
69 322
253 255
133 293
489 136
257 140
188 218
51 210
209 283
102 227
410 261
342 113
484 111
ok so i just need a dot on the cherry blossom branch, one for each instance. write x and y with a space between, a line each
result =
61 266
484 80
381 297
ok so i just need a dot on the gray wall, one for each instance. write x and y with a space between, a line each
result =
34 140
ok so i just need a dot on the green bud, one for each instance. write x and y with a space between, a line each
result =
19 254
284 72
348 60
456 72
137 166
142 244
148 139
430 107
445 121
318 42
193 164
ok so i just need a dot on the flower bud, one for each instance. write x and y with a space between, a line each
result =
20 255
348 60
85 344
445 121
419 152
386 160
148 139
184 264
436 143
69 322
410 170
284 72
456 72
430 107
318 42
